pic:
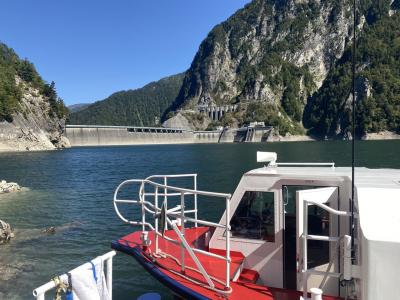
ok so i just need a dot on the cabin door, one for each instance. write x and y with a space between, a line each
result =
319 253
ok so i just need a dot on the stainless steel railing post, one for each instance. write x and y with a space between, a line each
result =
142 198
228 243
166 198
156 218
195 198
183 229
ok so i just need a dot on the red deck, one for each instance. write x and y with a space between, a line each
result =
215 267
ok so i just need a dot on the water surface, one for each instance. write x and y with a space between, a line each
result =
72 189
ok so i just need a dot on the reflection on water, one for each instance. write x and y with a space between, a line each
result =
72 191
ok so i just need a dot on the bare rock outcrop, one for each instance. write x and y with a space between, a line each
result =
8 187
33 127
5 232
178 121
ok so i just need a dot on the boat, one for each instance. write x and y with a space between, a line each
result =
286 233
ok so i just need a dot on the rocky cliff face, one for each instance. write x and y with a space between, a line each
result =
32 116
33 126
276 52
328 112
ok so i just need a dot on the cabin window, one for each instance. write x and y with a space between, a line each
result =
254 217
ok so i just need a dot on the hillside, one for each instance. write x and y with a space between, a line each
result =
279 59
140 107
77 107
328 112
32 116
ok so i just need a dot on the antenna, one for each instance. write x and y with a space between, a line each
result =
353 125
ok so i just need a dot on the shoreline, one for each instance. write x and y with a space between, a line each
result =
383 135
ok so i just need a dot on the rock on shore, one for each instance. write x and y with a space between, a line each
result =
383 135
5 232
8 187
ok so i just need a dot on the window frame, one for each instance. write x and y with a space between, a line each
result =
276 217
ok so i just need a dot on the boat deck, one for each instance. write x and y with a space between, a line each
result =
165 269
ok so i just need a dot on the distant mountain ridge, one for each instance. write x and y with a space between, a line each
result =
140 107
77 107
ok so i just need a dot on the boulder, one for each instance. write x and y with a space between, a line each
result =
8 187
5 232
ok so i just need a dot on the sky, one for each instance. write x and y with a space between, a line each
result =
93 48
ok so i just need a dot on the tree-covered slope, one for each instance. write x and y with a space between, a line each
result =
378 83
140 107
12 68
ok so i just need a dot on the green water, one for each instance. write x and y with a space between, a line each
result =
73 190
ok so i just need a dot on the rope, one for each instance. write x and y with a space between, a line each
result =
61 287
164 255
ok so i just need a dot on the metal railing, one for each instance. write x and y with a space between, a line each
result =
39 293
296 164
176 215
305 237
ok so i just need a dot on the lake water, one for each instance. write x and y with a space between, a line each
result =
73 189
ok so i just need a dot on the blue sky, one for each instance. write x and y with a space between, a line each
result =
92 48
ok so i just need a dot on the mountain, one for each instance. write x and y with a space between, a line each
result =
32 116
77 107
328 112
140 107
280 61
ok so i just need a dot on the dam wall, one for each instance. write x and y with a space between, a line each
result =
206 136
118 135
92 135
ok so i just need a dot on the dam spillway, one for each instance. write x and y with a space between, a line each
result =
96 135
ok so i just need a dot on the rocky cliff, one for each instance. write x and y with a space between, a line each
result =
275 52
32 117
328 110
273 56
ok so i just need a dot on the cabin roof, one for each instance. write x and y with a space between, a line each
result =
364 177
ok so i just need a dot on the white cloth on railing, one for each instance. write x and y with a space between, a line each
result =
89 283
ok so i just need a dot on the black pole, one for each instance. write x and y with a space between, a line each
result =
353 125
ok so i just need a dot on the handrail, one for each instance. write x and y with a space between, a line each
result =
40 291
178 189
305 236
330 209
326 164
178 213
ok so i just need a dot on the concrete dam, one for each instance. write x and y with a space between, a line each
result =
94 135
